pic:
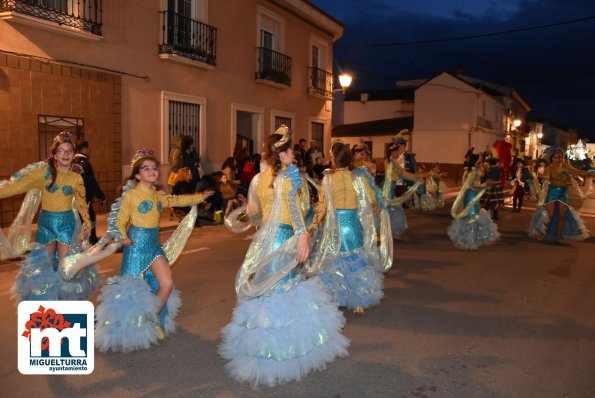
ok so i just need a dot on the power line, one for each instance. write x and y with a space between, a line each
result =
467 37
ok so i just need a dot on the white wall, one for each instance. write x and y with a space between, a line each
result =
357 112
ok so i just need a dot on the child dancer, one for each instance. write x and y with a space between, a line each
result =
282 326
348 256
472 227
139 306
394 171
56 182
554 219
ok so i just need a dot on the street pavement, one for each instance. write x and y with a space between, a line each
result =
510 320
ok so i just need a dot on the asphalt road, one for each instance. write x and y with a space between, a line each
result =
511 320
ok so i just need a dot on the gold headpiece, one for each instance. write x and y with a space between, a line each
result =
141 153
64 136
399 138
285 134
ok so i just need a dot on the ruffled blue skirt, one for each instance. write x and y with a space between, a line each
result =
474 231
285 334
55 226
126 317
273 339
37 280
541 227
352 278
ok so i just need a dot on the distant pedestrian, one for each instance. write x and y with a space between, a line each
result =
92 189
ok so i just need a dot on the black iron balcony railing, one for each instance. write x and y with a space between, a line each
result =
188 38
273 66
81 14
321 82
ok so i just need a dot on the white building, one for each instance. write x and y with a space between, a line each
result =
449 114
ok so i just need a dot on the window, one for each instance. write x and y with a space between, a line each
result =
266 39
318 134
279 120
183 119
315 56
50 126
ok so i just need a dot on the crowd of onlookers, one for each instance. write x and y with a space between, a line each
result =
231 182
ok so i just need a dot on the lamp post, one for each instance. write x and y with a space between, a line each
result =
345 81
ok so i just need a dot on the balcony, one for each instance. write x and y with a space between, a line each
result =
488 124
273 66
320 82
187 38
78 17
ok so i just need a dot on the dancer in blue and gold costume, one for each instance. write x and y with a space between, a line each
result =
55 183
350 263
472 227
139 306
554 219
395 176
282 327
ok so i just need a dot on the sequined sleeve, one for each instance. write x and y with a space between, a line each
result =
168 200
33 180
404 174
81 201
321 208
124 214
297 219
573 171
373 191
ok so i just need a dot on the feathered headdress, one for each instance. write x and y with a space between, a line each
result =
285 134
141 153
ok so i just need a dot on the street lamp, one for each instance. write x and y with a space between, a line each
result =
516 122
345 81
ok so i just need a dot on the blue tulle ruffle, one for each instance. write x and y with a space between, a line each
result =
283 336
353 281
37 279
80 287
126 316
541 227
472 235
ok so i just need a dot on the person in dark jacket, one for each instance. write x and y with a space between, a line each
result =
91 186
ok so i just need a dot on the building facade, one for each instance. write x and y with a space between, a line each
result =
447 114
129 74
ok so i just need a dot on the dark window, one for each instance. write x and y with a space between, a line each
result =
318 134
279 120
50 126
184 120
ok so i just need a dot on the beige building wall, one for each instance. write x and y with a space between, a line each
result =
132 32
30 88
121 86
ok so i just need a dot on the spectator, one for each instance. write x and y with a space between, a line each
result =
312 154
92 188
302 147
319 168
240 154
248 171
